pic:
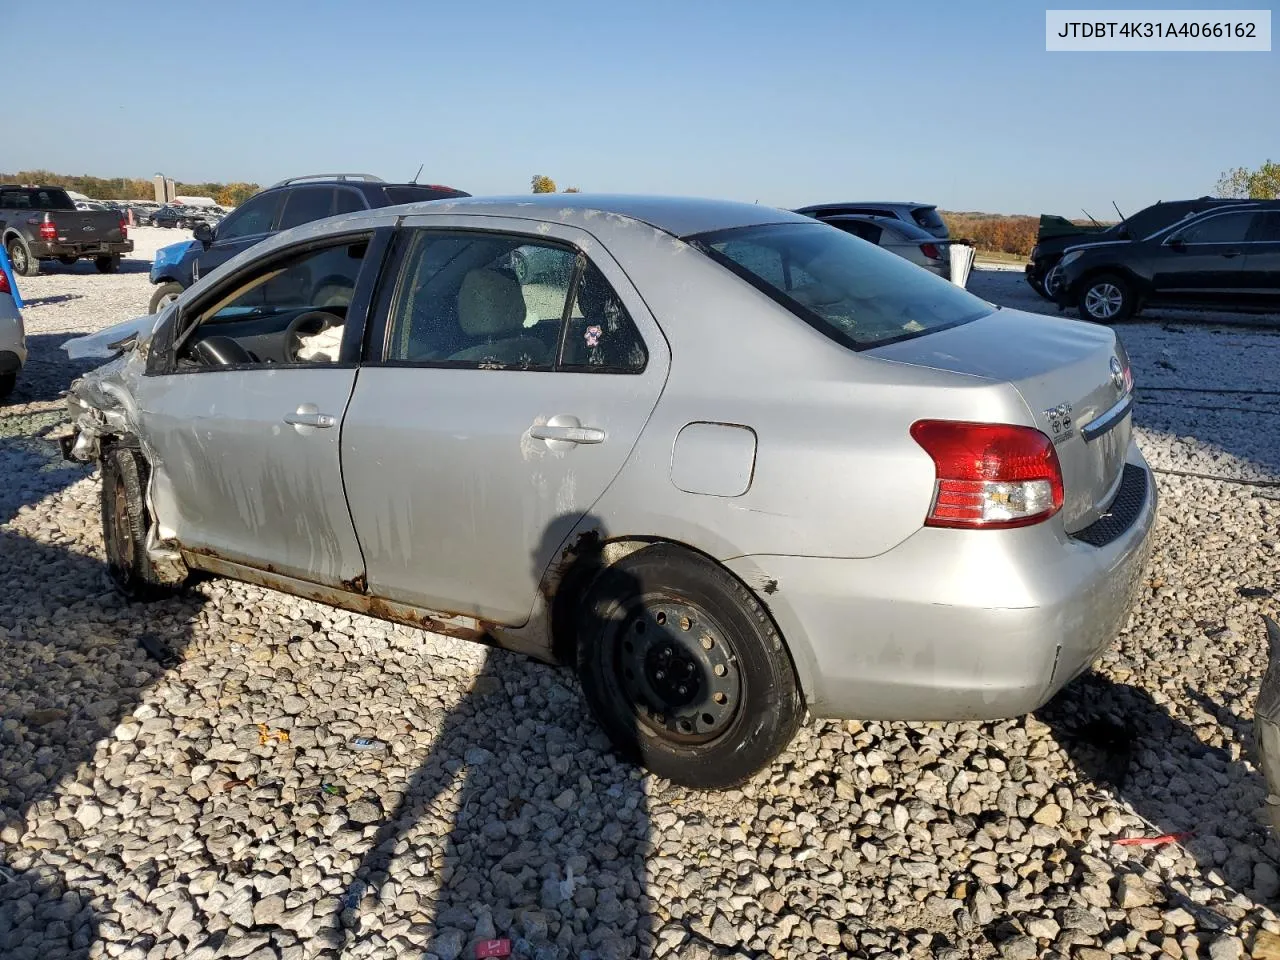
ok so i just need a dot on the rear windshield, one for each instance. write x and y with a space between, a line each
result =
857 294
37 198
417 194
928 217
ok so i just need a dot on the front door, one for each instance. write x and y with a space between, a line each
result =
246 225
511 384
244 421
1203 262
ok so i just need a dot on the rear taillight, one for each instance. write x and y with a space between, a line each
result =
124 228
4 282
989 475
931 251
48 229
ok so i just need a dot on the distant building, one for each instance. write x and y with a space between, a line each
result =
196 201
166 189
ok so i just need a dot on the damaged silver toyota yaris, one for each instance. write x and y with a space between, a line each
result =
730 461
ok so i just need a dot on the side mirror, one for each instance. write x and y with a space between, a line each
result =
203 232
1178 244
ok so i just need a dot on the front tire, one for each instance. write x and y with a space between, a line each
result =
20 258
107 264
125 522
1106 298
165 294
684 669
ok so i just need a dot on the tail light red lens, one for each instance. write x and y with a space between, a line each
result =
4 282
931 251
124 228
990 475
48 229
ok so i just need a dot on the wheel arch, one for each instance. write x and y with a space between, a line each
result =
589 555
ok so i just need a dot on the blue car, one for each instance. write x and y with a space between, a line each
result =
281 206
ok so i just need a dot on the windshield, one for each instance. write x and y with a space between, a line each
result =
849 289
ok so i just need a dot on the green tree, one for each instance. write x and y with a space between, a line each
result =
1243 183
234 194
543 184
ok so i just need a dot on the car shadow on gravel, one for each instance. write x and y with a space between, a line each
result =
82 673
1120 738
87 267
550 830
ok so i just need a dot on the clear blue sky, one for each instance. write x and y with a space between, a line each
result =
785 103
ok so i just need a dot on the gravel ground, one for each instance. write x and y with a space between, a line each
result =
216 806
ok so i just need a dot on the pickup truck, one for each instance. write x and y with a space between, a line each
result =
42 223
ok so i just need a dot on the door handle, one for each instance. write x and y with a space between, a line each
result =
307 416
567 434
1231 253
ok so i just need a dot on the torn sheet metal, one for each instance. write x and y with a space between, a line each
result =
111 341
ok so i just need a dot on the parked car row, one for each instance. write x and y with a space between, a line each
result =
602 431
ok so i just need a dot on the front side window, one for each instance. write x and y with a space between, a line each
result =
285 312
251 218
855 293
1222 228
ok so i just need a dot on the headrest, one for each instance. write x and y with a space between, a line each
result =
490 304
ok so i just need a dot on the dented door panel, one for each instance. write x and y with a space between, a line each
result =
243 484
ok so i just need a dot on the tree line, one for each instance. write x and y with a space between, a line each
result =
131 188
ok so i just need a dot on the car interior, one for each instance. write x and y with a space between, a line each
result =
293 312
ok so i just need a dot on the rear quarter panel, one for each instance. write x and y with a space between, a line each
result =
836 472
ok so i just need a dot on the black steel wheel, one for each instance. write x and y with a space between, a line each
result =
125 522
684 668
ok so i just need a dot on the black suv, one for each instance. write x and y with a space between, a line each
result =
1226 258
289 203
1056 235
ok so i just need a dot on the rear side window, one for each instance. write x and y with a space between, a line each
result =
928 217
1266 227
306 204
860 228
413 193
36 199
858 295
348 201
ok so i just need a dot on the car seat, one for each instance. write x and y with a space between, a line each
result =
491 308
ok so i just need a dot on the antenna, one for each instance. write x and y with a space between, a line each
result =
1117 206
418 174
1090 216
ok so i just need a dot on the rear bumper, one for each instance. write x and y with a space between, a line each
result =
955 624
48 251
13 341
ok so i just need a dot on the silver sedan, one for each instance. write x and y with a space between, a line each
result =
13 338
729 462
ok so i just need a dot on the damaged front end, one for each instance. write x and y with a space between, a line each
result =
1266 723
100 404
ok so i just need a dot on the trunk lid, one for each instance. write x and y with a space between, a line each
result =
1064 372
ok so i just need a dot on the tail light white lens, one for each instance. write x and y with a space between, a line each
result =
990 475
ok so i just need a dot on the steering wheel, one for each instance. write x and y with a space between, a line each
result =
306 325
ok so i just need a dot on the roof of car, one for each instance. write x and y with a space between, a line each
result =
680 216
866 203
908 230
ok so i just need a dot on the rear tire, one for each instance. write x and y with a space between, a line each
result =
107 264
165 294
125 522
684 669
1106 298
20 258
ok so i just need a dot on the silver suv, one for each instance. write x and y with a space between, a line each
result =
923 215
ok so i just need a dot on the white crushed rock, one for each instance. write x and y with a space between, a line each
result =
143 814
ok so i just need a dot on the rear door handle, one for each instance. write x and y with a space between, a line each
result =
1231 253
567 434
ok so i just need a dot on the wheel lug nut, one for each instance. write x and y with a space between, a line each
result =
661 674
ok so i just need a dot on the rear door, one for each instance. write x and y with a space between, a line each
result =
509 383
1261 272
1203 262
252 221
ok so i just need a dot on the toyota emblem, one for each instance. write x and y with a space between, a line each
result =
1117 373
